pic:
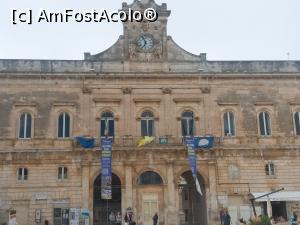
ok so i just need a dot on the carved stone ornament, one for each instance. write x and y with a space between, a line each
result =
127 90
86 90
166 90
205 90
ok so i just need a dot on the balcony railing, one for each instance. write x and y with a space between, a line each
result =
6 144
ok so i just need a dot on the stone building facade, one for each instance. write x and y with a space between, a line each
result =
250 107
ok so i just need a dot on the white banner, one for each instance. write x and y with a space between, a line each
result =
74 216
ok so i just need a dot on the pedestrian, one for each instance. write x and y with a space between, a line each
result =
226 218
128 218
294 219
155 218
112 218
118 218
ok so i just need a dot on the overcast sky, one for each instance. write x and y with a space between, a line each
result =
224 29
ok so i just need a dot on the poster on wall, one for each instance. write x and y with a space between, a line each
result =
65 217
84 217
106 157
74 216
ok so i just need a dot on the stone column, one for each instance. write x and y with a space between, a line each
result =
213 206
167 111
85 179
170 206
128 187
127 112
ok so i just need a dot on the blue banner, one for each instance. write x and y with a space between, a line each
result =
204 142
106 158
190 144
86 142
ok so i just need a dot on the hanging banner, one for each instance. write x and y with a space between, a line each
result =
204 142
190 144
106 146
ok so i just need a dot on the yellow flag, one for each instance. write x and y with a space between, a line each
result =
145 140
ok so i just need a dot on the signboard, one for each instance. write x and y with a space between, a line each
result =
106 157
38 216
163 141
204 142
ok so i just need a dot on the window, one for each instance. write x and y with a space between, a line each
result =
297 123
270 169
187 124
25 125
264 124
22 174
229 126
62 172
147 124
233 171
107 125
61 216
64 125
149 177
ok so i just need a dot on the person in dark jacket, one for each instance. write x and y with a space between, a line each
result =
155 219
226 218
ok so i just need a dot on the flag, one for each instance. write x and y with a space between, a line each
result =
145 140
86 142
190 144
198 187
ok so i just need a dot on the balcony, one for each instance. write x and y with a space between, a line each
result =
8 144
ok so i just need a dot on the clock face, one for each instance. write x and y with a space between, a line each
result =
145 42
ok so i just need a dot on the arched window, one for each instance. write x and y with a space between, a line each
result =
264 124
270 169
187 123
229 126
147 124
22 174
62 172
297 123
63 125
107 126
149 177
25 125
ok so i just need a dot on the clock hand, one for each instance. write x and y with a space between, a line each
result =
144 41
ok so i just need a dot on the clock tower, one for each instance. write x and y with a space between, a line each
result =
146 41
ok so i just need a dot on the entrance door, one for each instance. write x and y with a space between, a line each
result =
150 206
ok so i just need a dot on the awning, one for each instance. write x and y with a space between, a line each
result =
286 196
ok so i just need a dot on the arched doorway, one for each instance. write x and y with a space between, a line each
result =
150 197
192 205
103 207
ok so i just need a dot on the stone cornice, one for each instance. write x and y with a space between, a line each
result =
150 75
147 100
183 100
107 100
